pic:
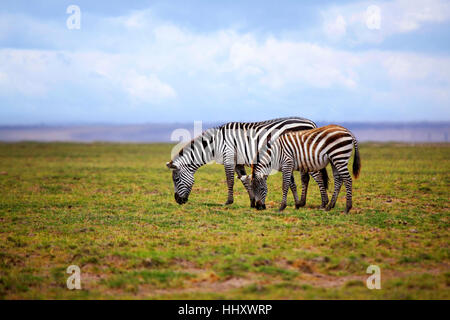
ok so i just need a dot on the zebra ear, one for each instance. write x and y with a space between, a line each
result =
171 166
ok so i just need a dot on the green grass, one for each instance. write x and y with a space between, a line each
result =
109 209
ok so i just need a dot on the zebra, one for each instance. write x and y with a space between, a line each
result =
235 145
308 151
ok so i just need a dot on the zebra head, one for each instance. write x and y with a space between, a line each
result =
259 188
183 180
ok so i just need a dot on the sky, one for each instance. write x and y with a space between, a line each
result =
181 61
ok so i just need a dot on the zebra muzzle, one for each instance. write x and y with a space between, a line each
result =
180 200
260 206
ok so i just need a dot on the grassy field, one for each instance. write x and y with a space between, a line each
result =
109 209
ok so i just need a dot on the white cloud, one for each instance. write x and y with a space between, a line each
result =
411 15
39 72
224 58
148 65
147 89
412 68
395 17
276 63
23 70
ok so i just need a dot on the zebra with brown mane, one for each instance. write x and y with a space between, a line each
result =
308 151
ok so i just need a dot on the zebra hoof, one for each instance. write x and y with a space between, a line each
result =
229 202
323 206
299 205
282 207
328 208
347 209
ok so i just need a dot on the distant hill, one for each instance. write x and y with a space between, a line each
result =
161 132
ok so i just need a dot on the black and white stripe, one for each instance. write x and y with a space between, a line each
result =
308 151
235 145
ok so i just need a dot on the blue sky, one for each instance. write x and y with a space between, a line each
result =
180 61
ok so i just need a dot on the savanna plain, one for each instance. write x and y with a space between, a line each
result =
109 209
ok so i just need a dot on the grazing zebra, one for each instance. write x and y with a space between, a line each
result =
235 145
308 151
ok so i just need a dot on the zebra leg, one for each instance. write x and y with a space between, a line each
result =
305 182
240 170
229 172
287 175
293 187
348 187
317 176
337 188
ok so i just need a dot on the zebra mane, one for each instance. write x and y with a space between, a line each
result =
202 141
201 149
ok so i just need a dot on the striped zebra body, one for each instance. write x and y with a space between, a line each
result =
235 145
308 151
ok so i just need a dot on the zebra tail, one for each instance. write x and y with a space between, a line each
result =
356 160
325 177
